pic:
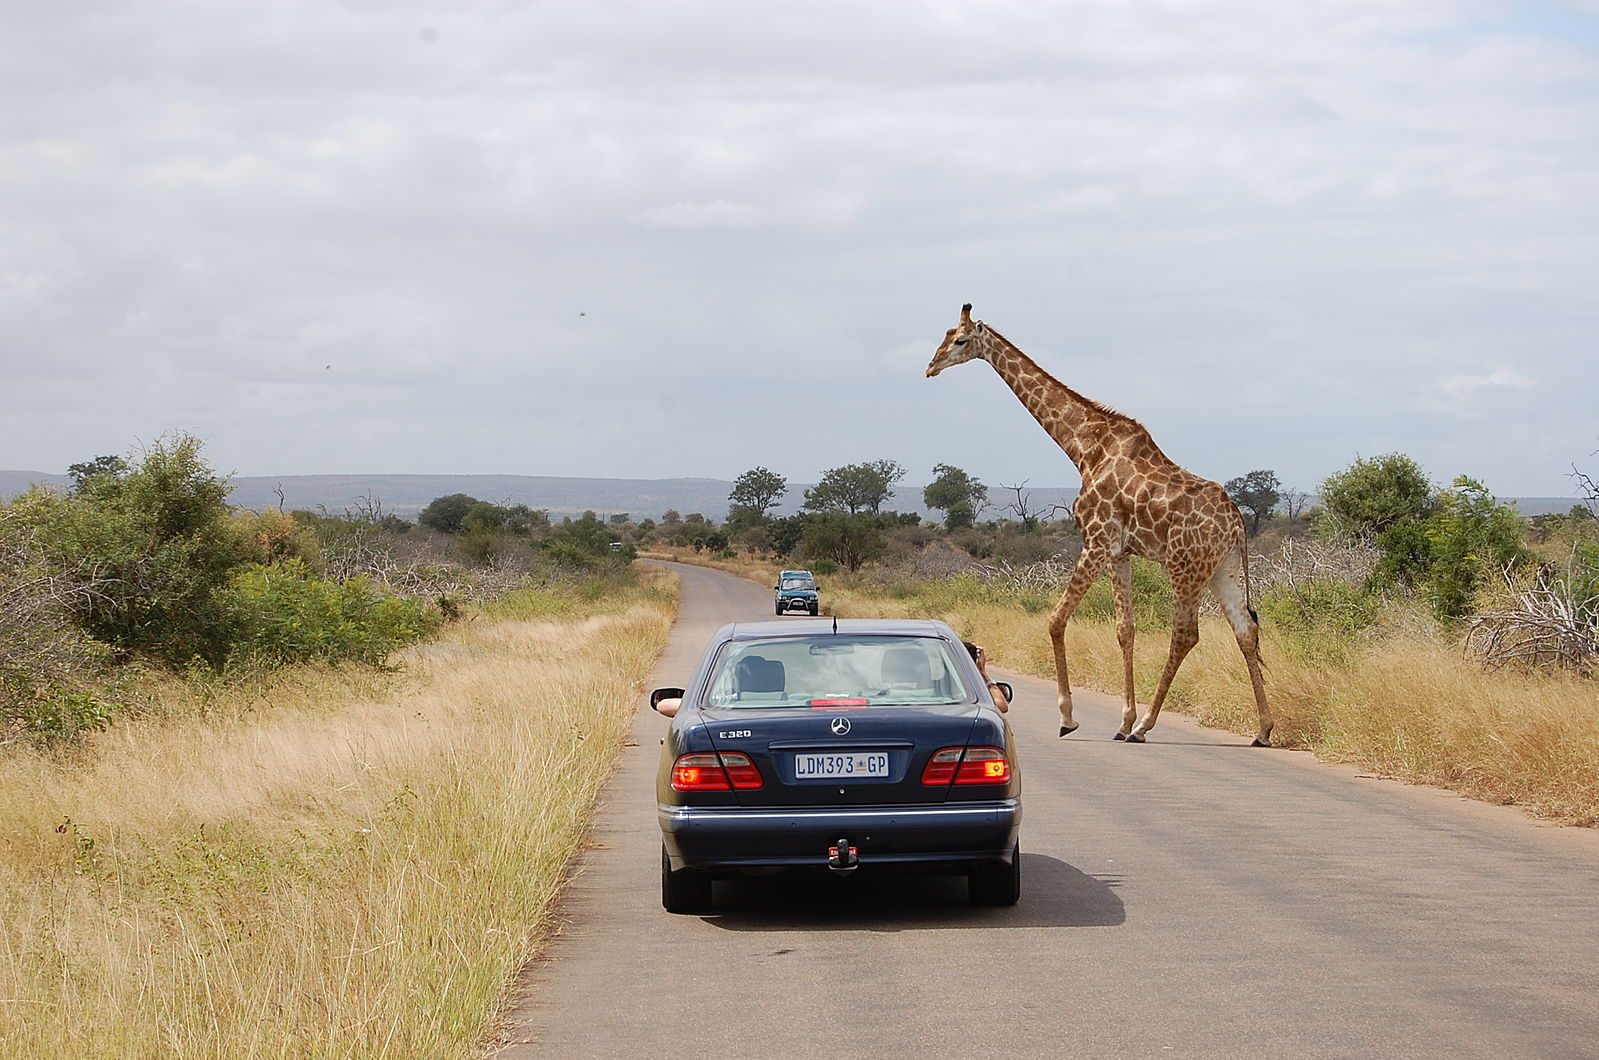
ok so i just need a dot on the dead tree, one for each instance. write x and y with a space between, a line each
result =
1022 507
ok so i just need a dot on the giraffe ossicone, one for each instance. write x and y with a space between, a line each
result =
1135 501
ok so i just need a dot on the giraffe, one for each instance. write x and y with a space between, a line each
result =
1134 502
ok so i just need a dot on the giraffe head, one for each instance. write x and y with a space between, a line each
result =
961 343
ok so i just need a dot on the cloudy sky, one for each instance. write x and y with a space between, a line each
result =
662 239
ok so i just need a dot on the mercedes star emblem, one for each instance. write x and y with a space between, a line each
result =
840 726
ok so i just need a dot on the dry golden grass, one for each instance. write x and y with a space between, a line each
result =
359 870
1404 703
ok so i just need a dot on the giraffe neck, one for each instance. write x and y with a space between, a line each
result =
1068 417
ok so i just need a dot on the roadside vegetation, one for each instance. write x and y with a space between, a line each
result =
1424 632
288 784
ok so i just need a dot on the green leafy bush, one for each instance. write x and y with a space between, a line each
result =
1321 607
1470 538
281 613
66 715
159 540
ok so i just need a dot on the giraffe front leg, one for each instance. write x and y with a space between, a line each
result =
1184 635
1089 564
1122 573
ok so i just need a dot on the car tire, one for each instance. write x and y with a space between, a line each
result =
998 883
780 609
814 609
683 890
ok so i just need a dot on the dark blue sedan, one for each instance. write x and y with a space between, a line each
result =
856 745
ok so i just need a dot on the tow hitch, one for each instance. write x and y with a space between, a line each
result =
843 858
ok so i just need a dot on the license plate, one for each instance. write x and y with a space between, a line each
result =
840 766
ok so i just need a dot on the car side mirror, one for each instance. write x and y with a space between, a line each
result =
666 701
1009 692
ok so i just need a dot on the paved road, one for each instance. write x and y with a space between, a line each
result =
1188 897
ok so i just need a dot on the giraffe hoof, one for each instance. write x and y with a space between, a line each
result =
1119 736
1065 729
1134 737
1258 742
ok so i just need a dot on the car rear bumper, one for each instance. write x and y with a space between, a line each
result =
943 833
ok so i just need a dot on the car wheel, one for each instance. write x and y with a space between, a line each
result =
683 890
997 884
779 608
814 609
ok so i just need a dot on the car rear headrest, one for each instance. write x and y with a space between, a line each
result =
907 666
756 673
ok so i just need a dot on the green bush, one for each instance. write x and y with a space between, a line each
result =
160 541
1324 607
281 613
66 715
1470 537
824 567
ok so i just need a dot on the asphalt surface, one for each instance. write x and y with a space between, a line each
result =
1191 896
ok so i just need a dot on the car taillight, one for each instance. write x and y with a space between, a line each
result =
970 765
832 702
713 772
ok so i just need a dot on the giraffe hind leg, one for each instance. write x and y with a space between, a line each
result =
1246 628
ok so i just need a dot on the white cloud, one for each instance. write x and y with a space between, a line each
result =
1300 214
718 213
1470 395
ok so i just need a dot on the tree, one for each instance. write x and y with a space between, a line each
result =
1294 501
1585 483
847 539
1469 535
955 493
447 514
783 535
1023 508
755 491
855 488
114 466
1257 493
671 517
161 542
1370 496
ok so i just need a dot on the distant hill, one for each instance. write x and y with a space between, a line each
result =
407 495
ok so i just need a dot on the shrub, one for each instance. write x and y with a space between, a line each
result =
281 613
1469 535
1373 494
1321 607
848 540
66 715
46 663
447 514
824 567
161 541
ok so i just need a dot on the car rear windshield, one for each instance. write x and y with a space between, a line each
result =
825 669
797 583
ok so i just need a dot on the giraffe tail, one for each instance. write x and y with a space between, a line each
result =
1248 604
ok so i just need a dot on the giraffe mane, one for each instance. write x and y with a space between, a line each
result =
1097 406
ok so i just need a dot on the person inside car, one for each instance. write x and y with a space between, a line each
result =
980 657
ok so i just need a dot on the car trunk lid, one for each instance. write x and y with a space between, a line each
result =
826 754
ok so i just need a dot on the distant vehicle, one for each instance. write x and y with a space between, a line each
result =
796 591
868 745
